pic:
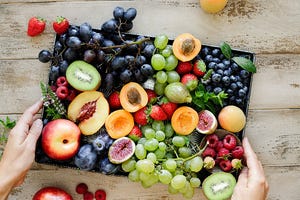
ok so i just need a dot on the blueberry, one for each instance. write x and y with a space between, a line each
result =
238 78
241 93
217 90
239 84
232 100
125 76
216 52
208 58
226 62
147 70
244 73
220 71
234 67
205 51
148 50
245 88
227 72
130 60
216 60
106 167
86 158
216 78
226 80
99 145
221 56
221 66
233 78
239 101
208 88
233 86
212 65
140 60
229 92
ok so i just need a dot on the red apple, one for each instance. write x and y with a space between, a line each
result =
61 139
52 193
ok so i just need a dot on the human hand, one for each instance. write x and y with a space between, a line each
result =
252 183
19 151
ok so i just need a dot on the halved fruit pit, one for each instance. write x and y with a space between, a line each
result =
134 96
188 46
87 111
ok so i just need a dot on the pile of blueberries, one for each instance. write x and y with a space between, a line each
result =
226 76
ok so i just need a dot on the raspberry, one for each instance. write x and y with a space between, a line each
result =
237 152
229 142
88 196
61 81
225 165
53 88
100 195
72 95
62 92
219 146
81 188
209 152
223 153
213 140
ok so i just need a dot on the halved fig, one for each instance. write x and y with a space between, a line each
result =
121 150
207 122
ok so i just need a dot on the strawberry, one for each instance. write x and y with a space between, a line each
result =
140 116
225 165
135 134
237 152
81 188
190 81
208 162
60 25
199 68
152 97
209 152
100 195
168 107
236 164
229 142
213 140
36 25
157 113
114 100
184 68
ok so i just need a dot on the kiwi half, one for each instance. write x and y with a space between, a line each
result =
219 186
83 76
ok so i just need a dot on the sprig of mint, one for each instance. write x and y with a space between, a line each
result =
244 63
201 99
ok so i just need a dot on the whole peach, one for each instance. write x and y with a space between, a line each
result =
213 6
232 118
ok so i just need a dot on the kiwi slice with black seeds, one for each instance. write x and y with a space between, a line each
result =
83 76
219 186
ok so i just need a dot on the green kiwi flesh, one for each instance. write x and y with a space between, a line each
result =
83 76
219 186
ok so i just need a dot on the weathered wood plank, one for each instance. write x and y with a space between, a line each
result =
240 23
275 85
121 188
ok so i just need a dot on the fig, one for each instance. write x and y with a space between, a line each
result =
207 122
121 150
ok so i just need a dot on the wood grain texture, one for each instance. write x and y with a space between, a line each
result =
251 25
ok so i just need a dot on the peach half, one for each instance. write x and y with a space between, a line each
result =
89 109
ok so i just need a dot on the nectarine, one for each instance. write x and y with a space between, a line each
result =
232 118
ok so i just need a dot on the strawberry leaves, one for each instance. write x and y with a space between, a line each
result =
244 63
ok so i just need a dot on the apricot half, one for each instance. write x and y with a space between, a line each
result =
232 118
133 97
186 47
89 109
119 123
184 120
213 6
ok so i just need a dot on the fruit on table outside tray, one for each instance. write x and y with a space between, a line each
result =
83 76
219 185
207 122
186 47
36 25
121 150
119 123
232 118
89 109
60 139
51 193
213 6
184 120
133 97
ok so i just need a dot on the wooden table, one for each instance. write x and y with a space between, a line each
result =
270 29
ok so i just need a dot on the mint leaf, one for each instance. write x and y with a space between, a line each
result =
245 64
226 50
